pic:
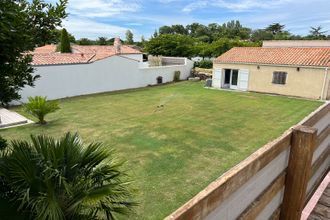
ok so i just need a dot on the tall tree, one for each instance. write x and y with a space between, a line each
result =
57 33
275 28
23 25
129 37
45 17
155 34
165 30
102 41
317 33
174 29
85 41
65 46
171 45
261 34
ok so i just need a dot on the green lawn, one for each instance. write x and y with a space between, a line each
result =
175 151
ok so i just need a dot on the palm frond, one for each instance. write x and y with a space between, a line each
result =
63 178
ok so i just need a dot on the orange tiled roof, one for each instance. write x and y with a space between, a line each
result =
47 55
279 56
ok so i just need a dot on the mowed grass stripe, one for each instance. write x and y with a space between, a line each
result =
176 150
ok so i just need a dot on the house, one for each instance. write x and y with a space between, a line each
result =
293 68
95 69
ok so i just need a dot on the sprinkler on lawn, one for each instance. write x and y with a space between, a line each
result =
159 108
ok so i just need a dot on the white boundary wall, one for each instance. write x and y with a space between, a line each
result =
110 74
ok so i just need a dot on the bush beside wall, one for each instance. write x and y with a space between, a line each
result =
176 76
207 64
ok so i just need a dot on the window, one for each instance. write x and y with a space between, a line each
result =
279 78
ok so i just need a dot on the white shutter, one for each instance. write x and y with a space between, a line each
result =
243 79
216 78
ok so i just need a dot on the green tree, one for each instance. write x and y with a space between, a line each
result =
129 37
197 30
85 41
261 34
171 45
174 29
102 41
234 29
203 50
45 17
165 30
155 34
65 46
222 45
57 33
24 24
317 33
275 28
179 29
283 35
65 179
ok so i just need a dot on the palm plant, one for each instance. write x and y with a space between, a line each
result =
39 107
63 179
317 31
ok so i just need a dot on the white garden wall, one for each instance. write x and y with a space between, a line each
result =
111 74
137 57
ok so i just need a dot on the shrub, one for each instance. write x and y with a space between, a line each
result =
65 179
176 76
39 107
207 64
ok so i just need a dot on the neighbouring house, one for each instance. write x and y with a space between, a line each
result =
95 69
293 68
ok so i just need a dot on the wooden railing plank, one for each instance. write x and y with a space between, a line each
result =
317 115
266 196
219 190
276 214
316 185
320 161
322 136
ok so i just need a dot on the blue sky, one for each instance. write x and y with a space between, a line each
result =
109 18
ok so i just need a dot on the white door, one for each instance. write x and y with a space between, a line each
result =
216 78
234 79
243 79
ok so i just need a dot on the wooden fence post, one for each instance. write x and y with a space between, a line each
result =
298 172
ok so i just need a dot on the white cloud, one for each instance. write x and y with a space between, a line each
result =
92 29
238 5
243 5
195 5
102 8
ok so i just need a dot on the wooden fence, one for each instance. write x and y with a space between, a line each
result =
275 182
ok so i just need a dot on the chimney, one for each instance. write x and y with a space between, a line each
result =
117 45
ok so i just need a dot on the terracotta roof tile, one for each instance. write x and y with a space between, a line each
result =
279 56
47 54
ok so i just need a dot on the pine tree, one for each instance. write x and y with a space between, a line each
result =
65 43
129 37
